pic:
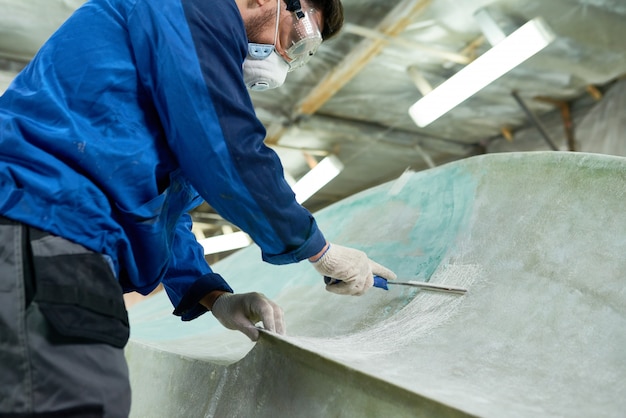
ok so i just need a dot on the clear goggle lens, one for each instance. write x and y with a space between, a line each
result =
303 40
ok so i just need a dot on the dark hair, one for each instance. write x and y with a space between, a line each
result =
332 12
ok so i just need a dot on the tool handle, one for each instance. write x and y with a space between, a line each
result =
379 282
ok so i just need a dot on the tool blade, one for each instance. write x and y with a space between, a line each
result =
430 286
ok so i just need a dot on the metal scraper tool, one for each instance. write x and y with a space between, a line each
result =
383 283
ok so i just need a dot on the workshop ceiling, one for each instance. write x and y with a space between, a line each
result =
352 99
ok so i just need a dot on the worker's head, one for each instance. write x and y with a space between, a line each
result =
287 29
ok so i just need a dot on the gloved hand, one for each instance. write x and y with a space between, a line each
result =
242 311
352 267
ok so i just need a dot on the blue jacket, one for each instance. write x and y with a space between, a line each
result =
130 115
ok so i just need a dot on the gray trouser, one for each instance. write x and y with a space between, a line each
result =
42 372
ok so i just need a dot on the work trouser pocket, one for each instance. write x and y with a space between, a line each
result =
77 293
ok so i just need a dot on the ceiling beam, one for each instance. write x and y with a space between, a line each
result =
392 25
411 45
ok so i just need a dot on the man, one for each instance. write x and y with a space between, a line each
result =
131 114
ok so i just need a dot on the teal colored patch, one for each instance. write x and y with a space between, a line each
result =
409 225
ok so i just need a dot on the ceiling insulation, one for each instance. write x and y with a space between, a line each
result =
352 99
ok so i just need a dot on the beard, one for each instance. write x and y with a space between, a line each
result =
257 25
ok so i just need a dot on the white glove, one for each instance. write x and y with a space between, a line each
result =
352 267
242 311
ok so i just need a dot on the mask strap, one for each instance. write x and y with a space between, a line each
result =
262 51
277 20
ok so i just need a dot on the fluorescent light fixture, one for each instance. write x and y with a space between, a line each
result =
226 242
516 48
318 177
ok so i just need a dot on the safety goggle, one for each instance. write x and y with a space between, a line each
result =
304 37
302 40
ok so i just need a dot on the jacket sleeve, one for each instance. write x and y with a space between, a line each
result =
189 277
189 56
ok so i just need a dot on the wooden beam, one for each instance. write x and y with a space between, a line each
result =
392 25
412 45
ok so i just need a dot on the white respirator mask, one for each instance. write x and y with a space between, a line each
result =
261 74
264 68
